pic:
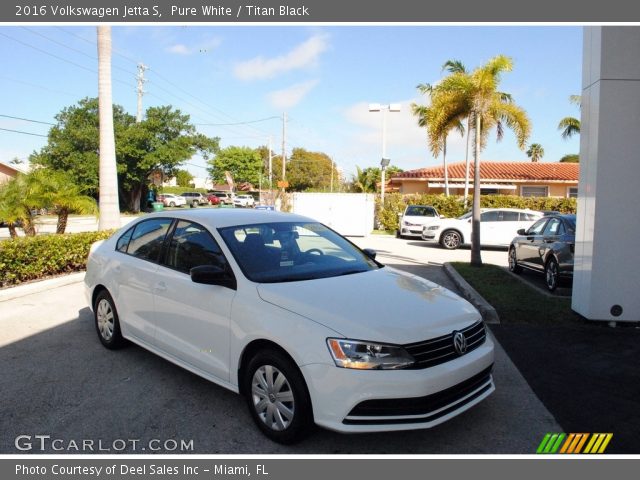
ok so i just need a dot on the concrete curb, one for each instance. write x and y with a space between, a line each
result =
488 313
41 286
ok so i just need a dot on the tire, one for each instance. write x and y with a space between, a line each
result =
450 239
281 411
107 322
513 261
195 203
172 204
551 274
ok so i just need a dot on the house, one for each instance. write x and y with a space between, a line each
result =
7 172
526 179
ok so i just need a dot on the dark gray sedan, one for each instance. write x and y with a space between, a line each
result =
547 246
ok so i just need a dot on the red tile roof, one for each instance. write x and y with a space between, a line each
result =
510 171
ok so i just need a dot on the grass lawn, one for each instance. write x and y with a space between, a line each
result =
516 302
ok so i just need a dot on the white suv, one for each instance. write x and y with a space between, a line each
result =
414 218
498 226
243 201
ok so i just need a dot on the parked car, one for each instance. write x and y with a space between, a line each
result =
224 197
244 201
294 317
213 199
171 200
195 198
414 218
547 246
497 227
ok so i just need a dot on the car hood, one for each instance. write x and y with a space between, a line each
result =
452 222
419 219
384 305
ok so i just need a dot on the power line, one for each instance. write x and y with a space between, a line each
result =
26 119
24 133
239 123
91 42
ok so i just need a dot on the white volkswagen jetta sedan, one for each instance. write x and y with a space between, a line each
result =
302 323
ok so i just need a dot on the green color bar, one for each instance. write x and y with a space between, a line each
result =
555 448
543 443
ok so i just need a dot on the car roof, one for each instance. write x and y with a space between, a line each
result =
227 217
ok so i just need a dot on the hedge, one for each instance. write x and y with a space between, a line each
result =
453 205
179 190
30 258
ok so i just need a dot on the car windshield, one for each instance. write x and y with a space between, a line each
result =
293 251
419 211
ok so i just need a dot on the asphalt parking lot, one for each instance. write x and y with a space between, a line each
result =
58 380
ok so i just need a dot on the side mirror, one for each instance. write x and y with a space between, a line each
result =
442 216
369 252
522 231
212 275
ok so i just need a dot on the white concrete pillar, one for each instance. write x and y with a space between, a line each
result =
606 284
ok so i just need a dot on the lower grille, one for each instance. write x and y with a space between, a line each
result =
429 407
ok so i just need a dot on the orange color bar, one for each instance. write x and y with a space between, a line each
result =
567 443
582 442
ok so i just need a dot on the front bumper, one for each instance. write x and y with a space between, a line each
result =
346 400
411 231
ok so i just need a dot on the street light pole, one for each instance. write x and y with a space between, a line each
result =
384 162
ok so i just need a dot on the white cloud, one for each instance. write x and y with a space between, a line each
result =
304 55
203 47
291 96
179 49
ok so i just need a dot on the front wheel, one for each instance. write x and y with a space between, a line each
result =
172 204
551 274
513 261
277 397
450 240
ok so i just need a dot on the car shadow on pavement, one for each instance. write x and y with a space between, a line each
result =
62 382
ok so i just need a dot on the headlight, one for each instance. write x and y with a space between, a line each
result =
367 355
409 224
434 227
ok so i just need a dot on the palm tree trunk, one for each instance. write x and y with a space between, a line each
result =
476 257
63 216
28 227
13 233
446 171
109 204
466 163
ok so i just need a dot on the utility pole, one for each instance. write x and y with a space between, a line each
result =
331 175
284 144
270 166
141 81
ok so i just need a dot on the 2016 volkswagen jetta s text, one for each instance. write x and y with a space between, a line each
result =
281 309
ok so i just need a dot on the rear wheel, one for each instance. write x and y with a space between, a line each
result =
107 321
551 274
277 397
172 204
513 261
450 239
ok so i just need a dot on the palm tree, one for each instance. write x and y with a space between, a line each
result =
108 196
438 142
56 191
535 152
476 94
16 203
570 126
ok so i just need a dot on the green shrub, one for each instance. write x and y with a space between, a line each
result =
30 258
179 190
453 206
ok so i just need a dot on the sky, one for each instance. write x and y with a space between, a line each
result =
323 77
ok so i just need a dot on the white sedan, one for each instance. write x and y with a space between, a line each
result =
244 201
171 200
283 310
498 226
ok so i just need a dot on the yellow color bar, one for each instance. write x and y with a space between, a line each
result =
608 438
591 442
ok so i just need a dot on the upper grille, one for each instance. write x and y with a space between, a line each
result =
440 350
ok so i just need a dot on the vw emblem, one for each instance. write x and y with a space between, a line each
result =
459 343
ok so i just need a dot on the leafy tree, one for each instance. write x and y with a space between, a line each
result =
244 164
571 158
476 95
309 171
15 161
161 142
535 152
366 180
183 178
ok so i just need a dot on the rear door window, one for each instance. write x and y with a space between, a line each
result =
148 237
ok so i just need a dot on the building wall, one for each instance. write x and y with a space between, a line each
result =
6 174
553 189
